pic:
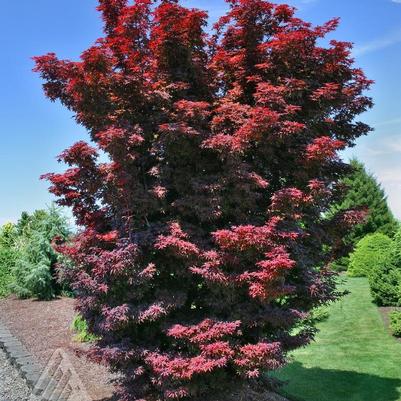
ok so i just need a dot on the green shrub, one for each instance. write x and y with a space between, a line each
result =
320 314
80 327
7 257
385 278
34 269
384 274
385 285
6 266
395 323
397 248
370 252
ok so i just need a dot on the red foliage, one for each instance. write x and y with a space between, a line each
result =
203 239
323 148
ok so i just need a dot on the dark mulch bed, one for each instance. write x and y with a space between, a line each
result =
385 311
44 327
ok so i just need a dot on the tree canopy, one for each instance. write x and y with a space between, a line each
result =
204 244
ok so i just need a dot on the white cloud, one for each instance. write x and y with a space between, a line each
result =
391 181
396 1
392 121
391 175
388 176
386 145
378 44
381 153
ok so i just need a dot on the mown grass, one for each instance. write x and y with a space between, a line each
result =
354 357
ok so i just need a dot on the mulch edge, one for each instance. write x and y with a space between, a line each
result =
30 370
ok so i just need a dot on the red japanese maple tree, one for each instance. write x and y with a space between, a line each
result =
204 242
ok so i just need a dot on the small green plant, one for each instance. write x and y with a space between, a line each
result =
80 327
395 323
320 314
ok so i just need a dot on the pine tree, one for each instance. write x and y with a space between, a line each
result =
363 190
204 242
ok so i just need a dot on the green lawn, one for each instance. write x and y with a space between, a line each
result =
353 359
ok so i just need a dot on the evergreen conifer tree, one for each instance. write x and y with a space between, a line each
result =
34 270
365 191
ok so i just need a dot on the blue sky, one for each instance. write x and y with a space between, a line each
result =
33 130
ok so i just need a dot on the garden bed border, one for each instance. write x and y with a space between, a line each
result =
27 366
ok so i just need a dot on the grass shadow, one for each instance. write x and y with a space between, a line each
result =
316 384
